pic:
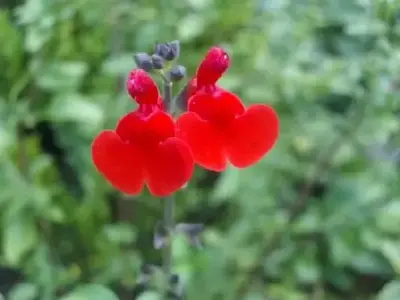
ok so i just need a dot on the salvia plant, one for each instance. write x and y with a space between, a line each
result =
158 144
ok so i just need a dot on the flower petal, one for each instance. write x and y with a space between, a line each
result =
169 167
145 131
118 162
219 107
203 139
252 135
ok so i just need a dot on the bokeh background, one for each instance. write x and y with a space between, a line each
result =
318 218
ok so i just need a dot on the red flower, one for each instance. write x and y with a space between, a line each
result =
217 126
143 148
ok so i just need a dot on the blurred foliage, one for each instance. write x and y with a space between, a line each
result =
318 218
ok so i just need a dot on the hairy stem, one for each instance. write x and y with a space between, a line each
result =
168 201
169 224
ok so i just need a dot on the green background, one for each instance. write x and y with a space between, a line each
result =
318 218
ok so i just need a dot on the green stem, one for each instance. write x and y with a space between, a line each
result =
169 224
168 201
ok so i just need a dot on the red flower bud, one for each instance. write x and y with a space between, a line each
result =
214 64
141 87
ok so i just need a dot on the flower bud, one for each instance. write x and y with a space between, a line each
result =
177 73
158 62
143 61
174 49
161 50
168 51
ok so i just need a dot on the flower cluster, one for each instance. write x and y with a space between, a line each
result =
148 147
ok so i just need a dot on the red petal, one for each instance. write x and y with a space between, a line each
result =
252 135
169 167
203 139
119 163
145 131
219 107
211 68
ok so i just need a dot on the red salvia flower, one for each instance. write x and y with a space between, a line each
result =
217 126
143 148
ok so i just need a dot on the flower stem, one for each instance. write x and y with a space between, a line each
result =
169 224
168 201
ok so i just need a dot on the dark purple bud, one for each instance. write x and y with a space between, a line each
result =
168 51
162 50
175 49
143 61
177 73
158 62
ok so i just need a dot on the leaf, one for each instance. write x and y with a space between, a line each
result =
62 76
24 291
227 185
191 26
20 236
91 292
6 140
391 250
75 108
149 296
391 291
120 233
119 65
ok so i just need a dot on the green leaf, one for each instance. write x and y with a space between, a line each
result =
24 291
120 233
20 236
91 292
391 291
75 108
191 26
61 76
228 184
391 250
149 296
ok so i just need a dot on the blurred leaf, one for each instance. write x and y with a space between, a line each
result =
391 291
75 108
24 291
20 236
89 292
227 184
120 233
62 76
191 26
391 250
150 296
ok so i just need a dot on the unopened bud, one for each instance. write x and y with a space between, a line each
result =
158 62
177 73
168 51
162 50
143 61
174 49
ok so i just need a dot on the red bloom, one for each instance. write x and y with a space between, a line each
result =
217 126
143 148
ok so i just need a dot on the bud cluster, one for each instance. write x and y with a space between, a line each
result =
162 60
